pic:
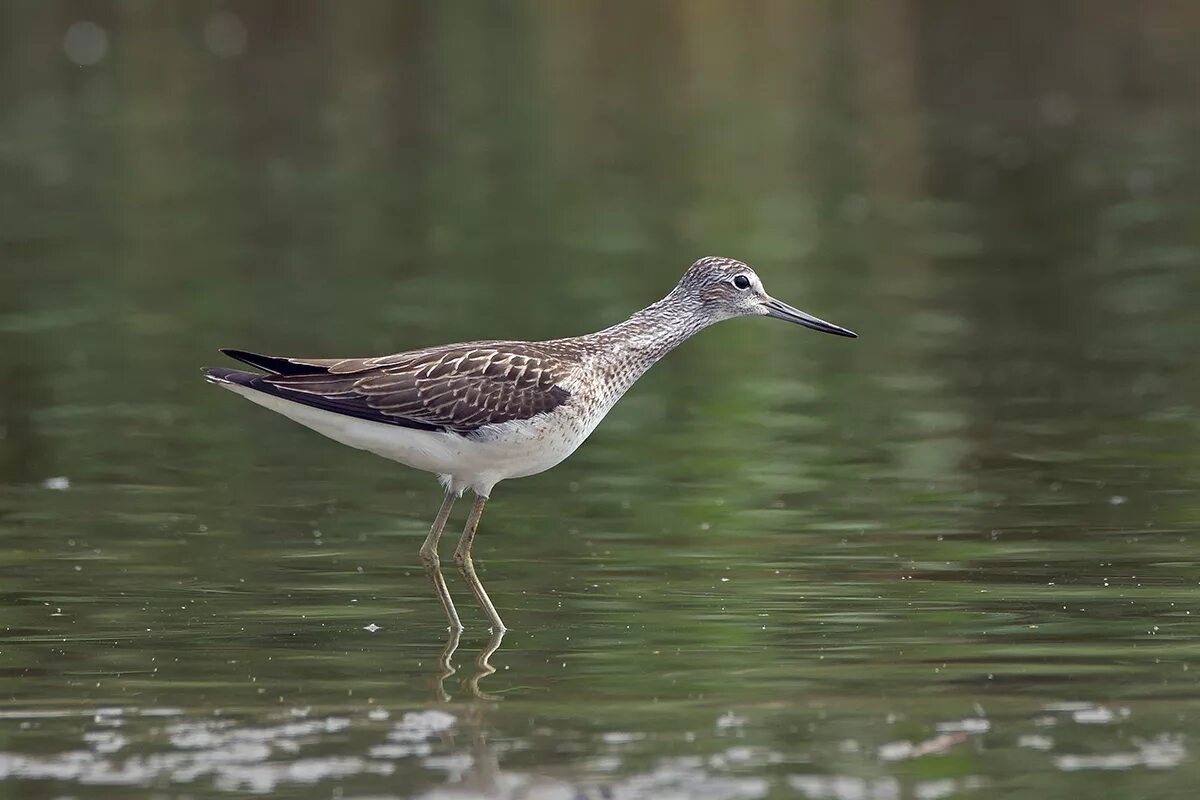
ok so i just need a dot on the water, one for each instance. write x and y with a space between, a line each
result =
953 558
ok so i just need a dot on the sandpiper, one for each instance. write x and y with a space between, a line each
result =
477 413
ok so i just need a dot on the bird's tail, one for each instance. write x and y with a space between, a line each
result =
223 375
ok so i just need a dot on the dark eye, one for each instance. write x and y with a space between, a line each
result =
741 282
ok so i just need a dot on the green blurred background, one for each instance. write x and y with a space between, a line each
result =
955 557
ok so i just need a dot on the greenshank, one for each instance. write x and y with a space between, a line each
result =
477 413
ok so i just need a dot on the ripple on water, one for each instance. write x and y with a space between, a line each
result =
740 756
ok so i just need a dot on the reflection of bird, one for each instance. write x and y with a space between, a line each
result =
483 666
477 413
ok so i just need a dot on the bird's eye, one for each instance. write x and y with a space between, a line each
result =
741 282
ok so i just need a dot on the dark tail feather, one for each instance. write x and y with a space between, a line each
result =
273 364
343 404
223 375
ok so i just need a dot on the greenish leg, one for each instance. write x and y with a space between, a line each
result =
429 555
462 557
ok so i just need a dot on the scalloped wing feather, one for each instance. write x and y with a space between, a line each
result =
459 388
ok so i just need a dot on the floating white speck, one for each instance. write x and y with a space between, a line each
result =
58 484
896 751
372 628
1093 716
1118 500
1160 753
729 720
968 725
1035 742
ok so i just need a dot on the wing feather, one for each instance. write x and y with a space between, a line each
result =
457 388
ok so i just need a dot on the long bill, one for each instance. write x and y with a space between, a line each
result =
781 310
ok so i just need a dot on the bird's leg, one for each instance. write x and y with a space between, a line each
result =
429 555
462 557
429 550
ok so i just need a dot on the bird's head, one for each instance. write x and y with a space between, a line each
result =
722 288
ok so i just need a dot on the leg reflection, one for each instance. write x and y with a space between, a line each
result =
445 668
484 667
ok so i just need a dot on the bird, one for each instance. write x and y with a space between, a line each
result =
477 413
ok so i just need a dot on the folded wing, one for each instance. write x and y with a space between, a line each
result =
458 388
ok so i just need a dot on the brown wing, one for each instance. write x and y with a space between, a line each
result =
457 387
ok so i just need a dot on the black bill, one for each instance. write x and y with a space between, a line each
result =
780 310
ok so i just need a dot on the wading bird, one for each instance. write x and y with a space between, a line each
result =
477 413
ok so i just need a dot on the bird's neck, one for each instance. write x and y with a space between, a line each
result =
638 342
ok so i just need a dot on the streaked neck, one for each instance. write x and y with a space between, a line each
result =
653 332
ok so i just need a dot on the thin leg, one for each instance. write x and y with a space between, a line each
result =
462 557
429 555
429 550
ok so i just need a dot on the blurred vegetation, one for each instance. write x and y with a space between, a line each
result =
988 499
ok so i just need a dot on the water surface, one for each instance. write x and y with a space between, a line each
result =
953 558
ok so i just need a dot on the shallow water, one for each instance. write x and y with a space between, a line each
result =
954 557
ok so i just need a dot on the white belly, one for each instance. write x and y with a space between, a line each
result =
509 450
